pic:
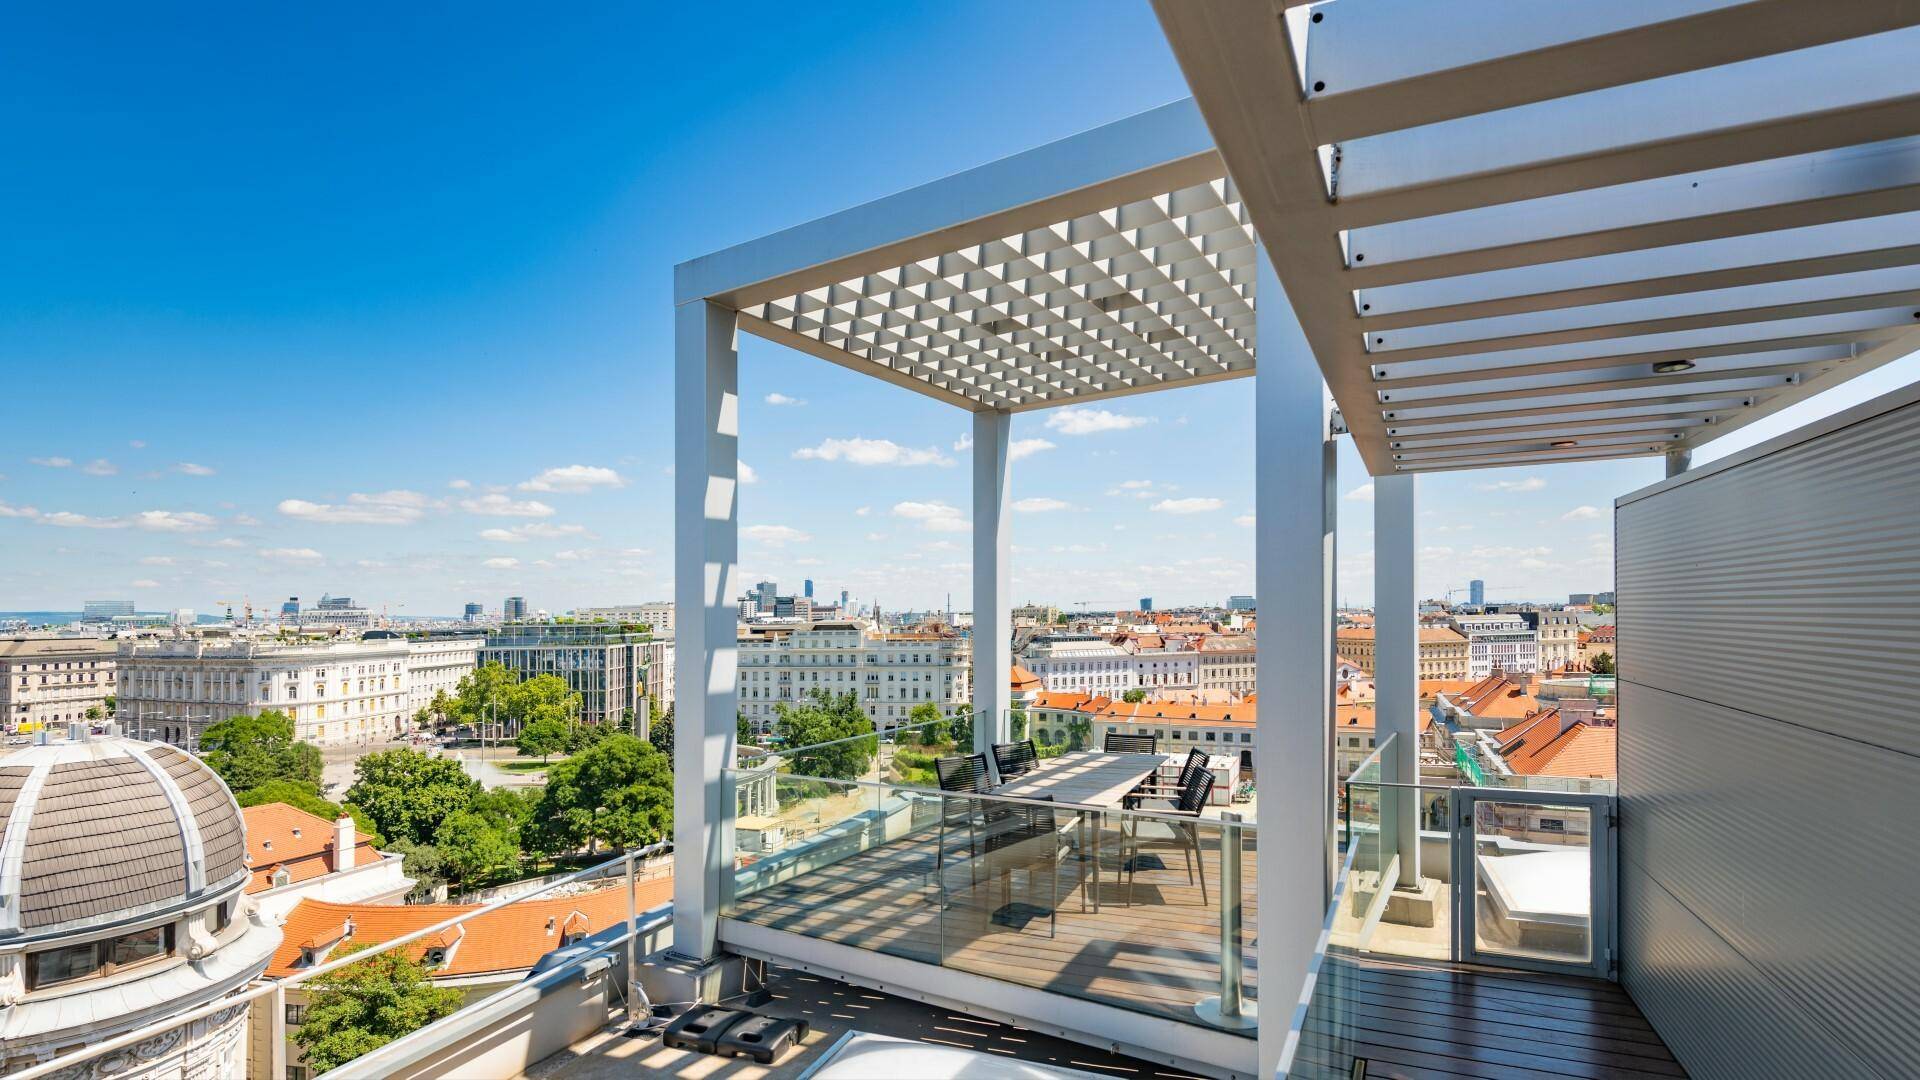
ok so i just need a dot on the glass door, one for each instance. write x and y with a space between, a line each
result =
1535 874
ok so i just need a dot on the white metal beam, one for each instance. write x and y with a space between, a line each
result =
1396 676
992 579
1839 94
1378 65
706 531
1293 549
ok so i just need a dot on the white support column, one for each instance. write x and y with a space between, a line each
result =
1292 547
1396 675
706 542
992 589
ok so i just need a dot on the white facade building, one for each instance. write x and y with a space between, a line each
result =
436 665
1085 665
655 613
53 681
892 672
338 694
1499 642
1157 670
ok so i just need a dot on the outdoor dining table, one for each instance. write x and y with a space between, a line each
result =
1087 778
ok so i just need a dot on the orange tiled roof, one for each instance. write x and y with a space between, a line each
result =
1070 700
272 844
1026 680
1427 634
509 939
1360 716
1538 747
1140 711
1498 697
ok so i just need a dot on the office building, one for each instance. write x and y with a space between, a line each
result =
1146 603
53 681
342 693
1477 593
657 615
1240 603
514 609
474 612
99 611
607 668
808 590
334 613
893 673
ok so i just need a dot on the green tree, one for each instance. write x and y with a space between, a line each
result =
543 738
366 1005
248 751
113 704
484 695
743 731
619 793
425 865
1079 732
408 793
473 846
660 733
1601 664
626 721
925 717
95 713
544 697
440 708
508 809
1134 697
304 796
827 718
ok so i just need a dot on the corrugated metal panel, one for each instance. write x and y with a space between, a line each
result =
1768 646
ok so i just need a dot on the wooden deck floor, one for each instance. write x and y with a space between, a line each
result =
1434 1019
1161 955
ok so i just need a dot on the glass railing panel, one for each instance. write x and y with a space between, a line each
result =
1113 905
1532 881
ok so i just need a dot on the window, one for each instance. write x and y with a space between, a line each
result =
1553 824
55 966
296 1015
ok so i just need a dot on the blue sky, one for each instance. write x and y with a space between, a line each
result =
375 301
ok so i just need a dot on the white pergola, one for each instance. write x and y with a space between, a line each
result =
1505 232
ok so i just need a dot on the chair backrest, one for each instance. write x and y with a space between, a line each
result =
957 773
1119 743
1014 759
1195 792
1196 762
1012 823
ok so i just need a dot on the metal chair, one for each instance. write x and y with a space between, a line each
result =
1155 788
1144 833
964 776
1026 836
1120 743
1014 759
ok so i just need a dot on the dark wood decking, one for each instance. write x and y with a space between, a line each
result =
1160 956
1432 1019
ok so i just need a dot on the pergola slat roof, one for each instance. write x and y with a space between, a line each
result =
1512 232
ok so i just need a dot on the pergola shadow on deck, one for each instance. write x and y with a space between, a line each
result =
1159 955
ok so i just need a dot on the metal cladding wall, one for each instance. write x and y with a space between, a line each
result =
1769 628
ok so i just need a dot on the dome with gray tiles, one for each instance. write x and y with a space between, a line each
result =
104 829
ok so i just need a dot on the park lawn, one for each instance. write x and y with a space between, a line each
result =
526 765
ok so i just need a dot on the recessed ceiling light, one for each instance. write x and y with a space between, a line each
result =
1672 367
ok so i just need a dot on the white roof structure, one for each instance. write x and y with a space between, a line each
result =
1513 233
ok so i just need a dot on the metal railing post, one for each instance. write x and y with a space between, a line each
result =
633 947
1231 1008
277 1035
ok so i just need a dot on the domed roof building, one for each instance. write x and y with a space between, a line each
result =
122 870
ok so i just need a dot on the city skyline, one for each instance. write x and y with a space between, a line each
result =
424 396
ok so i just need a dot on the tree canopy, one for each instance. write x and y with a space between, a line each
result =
543 738
1601 664
823 717
366 1005
617 793
408 793
248 751
485 694
660 733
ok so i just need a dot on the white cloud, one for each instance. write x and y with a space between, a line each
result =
1531 483
190 469
247 520
173 521
1021 448
497 505
500 563
156 560
1245 520
1086 421
520 534
747 475
67 520
229 542
460 485
782 399
137 444
144 583
1187 506
871 452
292 555
863 511
1582 513
575 479
100 467
397 507
964 443
570 555
17 511
774 535
1040 505
53 462
1363 493
932 516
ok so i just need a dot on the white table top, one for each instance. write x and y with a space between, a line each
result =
1087 777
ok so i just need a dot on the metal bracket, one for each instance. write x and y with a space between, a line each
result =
1336 424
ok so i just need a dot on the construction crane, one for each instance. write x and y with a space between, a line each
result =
1484 587
247 604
